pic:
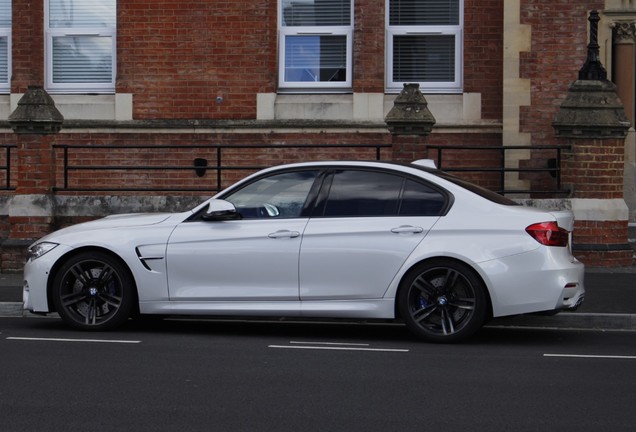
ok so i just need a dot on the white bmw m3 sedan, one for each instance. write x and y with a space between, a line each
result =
354 240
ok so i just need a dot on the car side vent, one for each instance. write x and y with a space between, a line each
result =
145 258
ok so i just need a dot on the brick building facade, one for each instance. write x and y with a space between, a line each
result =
159 83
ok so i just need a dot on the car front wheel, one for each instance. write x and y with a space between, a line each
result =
442 301
93 291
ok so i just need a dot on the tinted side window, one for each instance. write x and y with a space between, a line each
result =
421 200
363 193
280 195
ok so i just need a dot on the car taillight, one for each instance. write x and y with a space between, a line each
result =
548 234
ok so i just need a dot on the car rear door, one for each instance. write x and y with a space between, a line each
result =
364 228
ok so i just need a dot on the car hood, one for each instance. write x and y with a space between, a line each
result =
117 221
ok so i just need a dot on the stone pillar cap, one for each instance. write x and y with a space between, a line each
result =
410 114
592 109
36 113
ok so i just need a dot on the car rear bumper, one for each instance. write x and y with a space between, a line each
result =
548 279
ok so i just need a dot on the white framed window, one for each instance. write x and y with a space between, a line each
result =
424 44
5 46
315 44
80 46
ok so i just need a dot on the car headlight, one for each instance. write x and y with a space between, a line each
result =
37 250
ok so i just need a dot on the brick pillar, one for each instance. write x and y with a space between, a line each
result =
592 120
31 210
409 122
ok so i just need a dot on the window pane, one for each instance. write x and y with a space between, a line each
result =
82 13
82 59
363 193
316 12
315 58
424 58
281 196
424 12
4 60
5 13
421 200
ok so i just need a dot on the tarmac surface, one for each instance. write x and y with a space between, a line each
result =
610 302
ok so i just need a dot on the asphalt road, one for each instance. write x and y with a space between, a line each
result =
259 376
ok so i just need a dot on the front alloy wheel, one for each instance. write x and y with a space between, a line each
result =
93 291
442 301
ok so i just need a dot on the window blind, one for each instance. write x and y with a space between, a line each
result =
316 13
423 12
424 58
5 33
4 60
81 40
82 59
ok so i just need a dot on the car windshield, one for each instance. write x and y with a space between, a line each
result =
481 191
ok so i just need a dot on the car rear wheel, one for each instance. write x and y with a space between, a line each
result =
93 291
442 301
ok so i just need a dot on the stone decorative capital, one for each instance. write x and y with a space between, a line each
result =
410 114
36 114
623 31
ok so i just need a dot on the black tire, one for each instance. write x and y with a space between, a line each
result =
93 291
442 301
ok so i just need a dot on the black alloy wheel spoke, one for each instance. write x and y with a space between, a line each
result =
463 303
424 286
447 322
450 281
71 299
81 275
105 275
91 314
421 314
111 300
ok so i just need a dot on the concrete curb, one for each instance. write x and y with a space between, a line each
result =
571 320
11 309
563 320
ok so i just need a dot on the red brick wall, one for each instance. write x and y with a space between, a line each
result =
595 168
483 54
176 60
27 45
178 57
559 49
182 156
369 46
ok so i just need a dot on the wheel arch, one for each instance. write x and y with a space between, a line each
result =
74 252
428 260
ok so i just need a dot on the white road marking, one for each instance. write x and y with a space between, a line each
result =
336 348
592 356
328 343
74 340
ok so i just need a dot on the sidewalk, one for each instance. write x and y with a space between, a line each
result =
610 302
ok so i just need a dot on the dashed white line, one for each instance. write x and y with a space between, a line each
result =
39 339
329 343
622 357
314 346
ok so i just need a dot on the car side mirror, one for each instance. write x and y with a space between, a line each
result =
220 210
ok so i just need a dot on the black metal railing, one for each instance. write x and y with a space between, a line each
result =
198 165
553 166
6 168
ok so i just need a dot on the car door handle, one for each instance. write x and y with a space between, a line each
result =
284 234
407 229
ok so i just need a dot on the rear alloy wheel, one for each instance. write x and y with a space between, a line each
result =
442 301
93 291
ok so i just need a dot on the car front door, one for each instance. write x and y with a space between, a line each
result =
254 258
367 225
